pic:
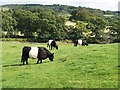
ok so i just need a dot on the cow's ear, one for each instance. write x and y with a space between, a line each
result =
53 54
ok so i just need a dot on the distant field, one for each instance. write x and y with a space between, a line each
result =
95 66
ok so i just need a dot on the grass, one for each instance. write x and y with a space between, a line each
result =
95 66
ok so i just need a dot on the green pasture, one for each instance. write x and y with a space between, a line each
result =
93 66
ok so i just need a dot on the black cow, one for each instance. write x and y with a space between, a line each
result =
35 52
51 44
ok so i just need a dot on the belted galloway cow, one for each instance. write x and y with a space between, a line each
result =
35 52
52 44
80 42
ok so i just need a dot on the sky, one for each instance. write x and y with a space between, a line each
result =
111 5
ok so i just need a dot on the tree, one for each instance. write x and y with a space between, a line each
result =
115 30
8 24
26 20
97 26
81 15
50 26
75 33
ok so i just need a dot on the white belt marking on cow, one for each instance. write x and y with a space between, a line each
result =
33 53
80 41
50 41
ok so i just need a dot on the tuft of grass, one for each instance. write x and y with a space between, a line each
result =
93 66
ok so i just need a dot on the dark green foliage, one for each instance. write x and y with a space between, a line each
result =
8 24
25 21
43 22
75 33
97 26
81 15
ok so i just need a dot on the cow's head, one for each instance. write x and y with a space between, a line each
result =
51 57
56 46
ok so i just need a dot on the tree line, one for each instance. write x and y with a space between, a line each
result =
40 23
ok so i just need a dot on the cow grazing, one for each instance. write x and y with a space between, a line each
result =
35 52
51 44
80 42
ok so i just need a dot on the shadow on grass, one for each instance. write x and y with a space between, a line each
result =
9 65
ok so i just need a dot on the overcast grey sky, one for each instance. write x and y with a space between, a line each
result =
98 4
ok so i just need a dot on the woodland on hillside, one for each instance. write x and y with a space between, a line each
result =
39 23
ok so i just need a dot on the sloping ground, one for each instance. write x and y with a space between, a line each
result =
93 66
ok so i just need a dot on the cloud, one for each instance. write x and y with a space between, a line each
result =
101 4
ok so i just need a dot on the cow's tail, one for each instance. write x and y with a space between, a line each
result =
21 59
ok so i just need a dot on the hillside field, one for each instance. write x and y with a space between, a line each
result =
93 66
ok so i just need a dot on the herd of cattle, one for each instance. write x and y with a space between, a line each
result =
42 53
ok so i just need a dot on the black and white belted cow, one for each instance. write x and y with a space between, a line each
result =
35 52
51 44
80 42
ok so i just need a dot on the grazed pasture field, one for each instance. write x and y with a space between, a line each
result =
95 66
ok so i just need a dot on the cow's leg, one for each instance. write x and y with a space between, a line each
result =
38 61
23 62
51 47
27 61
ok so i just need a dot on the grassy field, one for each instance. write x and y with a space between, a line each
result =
94 66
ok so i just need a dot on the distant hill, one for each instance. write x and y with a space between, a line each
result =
58 8
116 11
